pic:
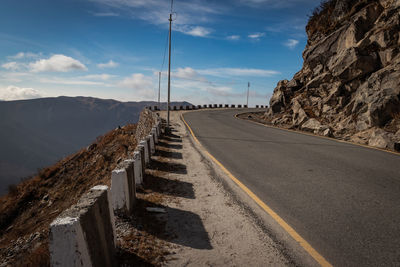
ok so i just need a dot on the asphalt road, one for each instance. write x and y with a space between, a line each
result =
343 199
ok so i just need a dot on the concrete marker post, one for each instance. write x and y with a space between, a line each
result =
121 190
154 132
137 166
146 151
128 164
142 160
152 144
84 234
148 148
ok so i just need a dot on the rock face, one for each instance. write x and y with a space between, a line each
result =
349 86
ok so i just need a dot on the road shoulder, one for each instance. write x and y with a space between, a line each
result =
210 225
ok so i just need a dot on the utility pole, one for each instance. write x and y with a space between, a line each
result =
159 89
169 67
248 89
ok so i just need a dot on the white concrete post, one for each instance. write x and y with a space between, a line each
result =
83 235
149 146
140 148
152 145
146 151
138 167
128 164
155 135
121 192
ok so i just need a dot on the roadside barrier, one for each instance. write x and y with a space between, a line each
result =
138 167
84 235
123 190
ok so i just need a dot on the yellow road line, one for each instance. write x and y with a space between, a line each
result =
325 137
303 243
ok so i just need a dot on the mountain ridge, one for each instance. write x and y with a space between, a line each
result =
39 132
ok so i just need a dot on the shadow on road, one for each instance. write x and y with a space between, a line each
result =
169 187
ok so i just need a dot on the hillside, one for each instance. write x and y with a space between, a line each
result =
39 132
349 86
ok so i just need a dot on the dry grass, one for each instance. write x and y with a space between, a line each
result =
321 20
34 203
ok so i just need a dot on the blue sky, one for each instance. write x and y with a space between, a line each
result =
115 48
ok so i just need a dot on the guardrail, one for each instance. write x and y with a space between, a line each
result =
204 106
84 234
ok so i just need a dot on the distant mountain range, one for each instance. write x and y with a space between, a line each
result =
39 132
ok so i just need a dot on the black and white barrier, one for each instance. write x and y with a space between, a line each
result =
84 235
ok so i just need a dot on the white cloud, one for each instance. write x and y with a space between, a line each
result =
191 14
197 31
233 37
22 55
223 72
142 86
187 73
105 14
72 81
256 35
11 65
17 93
109 64
14 77
291 43
103 77
57 63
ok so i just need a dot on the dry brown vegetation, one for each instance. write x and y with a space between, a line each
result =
29 208
322 18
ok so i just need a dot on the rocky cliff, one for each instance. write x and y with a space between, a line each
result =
349 86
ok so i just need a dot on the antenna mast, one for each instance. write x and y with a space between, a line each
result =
159 89
248 89
169 65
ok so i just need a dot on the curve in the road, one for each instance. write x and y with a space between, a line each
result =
302 242
342 198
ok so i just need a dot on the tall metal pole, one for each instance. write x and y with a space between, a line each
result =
248 89
159 89
169 69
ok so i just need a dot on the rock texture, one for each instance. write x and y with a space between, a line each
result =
349 86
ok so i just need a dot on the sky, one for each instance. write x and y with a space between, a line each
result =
115 49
